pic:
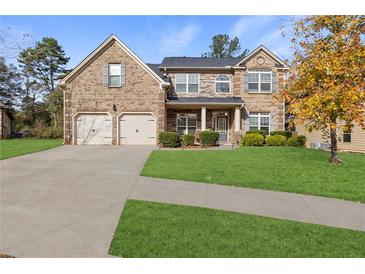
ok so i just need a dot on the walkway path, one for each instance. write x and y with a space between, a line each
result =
283 205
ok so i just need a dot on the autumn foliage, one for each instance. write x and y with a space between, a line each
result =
326 89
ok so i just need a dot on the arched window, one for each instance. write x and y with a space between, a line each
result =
222 84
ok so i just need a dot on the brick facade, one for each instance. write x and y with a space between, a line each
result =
254 102
86 92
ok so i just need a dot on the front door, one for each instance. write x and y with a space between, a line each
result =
222 128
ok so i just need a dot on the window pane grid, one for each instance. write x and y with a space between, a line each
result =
222 84
259 81
114 69
259 121
116 75
187 82
186 123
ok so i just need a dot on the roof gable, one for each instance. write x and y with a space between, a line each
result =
267 51
103 46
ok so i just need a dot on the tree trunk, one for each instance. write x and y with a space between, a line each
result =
334 156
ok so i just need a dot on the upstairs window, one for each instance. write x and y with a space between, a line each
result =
116 75
222 84
187 82
259 121
186 123
259 81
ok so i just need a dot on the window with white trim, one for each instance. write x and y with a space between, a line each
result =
187 82
222 84
259 121
116 75
186 123
259 81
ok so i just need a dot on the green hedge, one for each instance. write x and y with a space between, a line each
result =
296 141
169 139
287 134
253 139
208 137
188 139
293 141
261 132
275 140
301 140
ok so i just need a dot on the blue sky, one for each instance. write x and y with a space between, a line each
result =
152 37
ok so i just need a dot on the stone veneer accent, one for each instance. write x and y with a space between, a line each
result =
254 102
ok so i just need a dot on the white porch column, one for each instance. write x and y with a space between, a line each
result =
204 118
237 119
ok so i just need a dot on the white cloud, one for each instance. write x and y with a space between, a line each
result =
249 23
277 43
175 40
271 36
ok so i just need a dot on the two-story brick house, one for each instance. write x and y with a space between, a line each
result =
113 97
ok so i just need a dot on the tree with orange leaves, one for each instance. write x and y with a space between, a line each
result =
326 87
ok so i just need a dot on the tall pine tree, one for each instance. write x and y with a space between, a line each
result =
46 64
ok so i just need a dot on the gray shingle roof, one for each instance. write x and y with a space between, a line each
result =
198 62
206 100
155 68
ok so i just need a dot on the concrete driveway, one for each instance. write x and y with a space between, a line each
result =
66 202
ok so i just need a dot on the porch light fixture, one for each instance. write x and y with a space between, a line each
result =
114 108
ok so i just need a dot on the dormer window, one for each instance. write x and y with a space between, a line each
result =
222 84
259 81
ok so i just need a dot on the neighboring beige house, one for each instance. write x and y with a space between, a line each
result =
113 97
6 122
350 141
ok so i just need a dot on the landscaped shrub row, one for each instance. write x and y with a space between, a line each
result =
253 139
188 139
287 134
276 138
296 141
173 139
208 138
169 139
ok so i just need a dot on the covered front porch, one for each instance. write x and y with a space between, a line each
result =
191 115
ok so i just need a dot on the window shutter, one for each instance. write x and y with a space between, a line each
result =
106 75
245 81
274 82
122 74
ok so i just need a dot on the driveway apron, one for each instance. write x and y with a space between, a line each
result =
66 202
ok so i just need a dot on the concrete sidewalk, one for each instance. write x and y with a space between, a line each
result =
283 205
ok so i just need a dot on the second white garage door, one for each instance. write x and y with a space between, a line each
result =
137 129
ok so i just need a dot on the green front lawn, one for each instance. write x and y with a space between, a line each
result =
15 147
287 169
148 229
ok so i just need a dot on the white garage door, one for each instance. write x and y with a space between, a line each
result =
137 129
93 129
